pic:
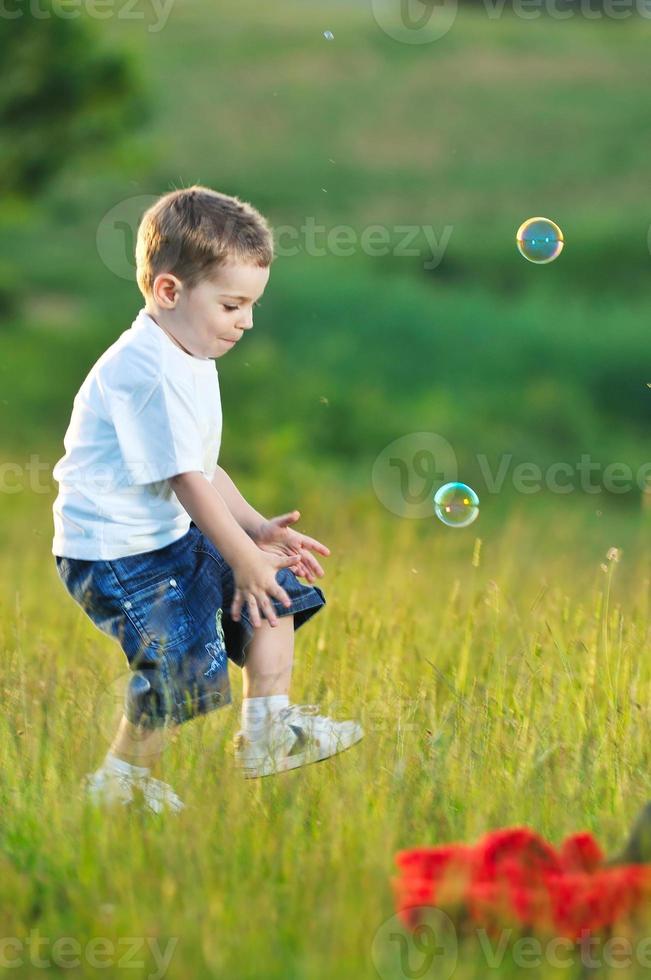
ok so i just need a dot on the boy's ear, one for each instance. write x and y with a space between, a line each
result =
167 289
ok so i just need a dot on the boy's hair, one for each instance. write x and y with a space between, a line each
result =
193 231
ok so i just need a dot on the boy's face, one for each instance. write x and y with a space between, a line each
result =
211 318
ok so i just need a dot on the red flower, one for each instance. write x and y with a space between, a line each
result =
580 852
513 877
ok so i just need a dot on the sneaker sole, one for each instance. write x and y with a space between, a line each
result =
104 800
270 768
108 804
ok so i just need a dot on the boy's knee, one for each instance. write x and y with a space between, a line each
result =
148 701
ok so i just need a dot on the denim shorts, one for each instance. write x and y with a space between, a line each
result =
169 610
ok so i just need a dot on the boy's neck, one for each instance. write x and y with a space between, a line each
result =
171 336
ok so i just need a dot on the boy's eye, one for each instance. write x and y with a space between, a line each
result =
231 308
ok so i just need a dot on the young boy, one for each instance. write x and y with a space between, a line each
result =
153 539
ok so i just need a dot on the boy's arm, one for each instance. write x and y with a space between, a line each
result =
212 515
254 572
245 515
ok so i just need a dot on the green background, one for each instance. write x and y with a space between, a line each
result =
501 672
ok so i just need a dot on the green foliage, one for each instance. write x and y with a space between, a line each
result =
62 94
348 353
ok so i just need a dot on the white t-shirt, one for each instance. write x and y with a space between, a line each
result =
145 412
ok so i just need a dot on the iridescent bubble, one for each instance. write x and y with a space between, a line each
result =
540 240
456 504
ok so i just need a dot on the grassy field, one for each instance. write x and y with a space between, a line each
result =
501 677
501 672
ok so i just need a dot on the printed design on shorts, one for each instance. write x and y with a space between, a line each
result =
217 649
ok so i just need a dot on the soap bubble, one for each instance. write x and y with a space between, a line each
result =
328 35
456 504
540 240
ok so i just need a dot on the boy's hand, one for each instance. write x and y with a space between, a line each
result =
276 537
255 581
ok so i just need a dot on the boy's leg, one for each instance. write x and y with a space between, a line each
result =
137 745
133 751
267 670
275 735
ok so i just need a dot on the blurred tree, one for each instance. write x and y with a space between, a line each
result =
61 94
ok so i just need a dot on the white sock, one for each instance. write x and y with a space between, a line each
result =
257 711
113 764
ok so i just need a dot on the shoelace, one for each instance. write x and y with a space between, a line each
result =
157 792
153 790
293 710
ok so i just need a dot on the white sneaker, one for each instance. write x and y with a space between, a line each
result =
294 736
106 788
160 796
